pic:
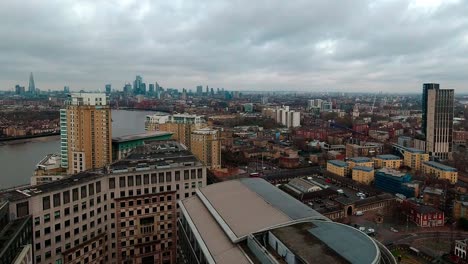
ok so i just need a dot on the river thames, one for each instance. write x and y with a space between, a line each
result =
19 158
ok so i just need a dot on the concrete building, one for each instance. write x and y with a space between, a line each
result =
440 171
283 115
394 182
363 174
437 121
252 221
15 237
123 145
387 161
88 132
365 150
360 161
107 216
48 169
206 146
181 125
338 167
461 247
414 158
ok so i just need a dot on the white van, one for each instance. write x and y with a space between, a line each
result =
359 213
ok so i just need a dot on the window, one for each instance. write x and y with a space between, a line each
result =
153 178
47 243
83 192
146 179
67 223
37 221
46 218
130 180
121 182
58 239
57 227
192 174
200 173
66 211
111 183
138 180
161 177
98 187
56 199
57 214
186 174
46 202
177 175
168 176
75 194
91 189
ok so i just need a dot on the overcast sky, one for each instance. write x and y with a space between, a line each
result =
308 45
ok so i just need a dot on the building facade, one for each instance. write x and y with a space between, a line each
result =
440 171
88 132
86 217
338 167
387 161
180 125
423 215
206 146
360 161
414 158
394 182
437 122
363 174
461 248
122 146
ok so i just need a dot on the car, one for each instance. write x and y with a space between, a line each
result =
393 230
359 213
362 228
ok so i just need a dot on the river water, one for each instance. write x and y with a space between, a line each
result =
19 158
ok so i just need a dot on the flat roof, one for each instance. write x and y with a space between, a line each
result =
414 150
439 166
363 168
388 157
338 163
392 172
147 135
360 159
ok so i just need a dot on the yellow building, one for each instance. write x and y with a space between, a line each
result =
387 161
363 174
86 132
360 161
206 146
440 171
338 167
181 125
414 158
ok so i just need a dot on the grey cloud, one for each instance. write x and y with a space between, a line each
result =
264 45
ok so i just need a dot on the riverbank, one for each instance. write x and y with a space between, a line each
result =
29 136
20 141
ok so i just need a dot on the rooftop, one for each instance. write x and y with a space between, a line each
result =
388 157
392 172
224 215
360 159
414 150
363 168
148 135
328 242
156 154
439 166
338 163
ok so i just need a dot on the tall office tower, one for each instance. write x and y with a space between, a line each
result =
205 144
143 88
66 89
182 125
137 84
151 89
32 86
19 89
127 88
437 122
199 90
88 132
108 89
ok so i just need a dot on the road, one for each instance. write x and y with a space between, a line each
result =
408 239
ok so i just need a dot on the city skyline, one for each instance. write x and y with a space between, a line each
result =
306 46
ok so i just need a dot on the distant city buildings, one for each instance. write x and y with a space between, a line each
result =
282 115
32 86
87 134
108 89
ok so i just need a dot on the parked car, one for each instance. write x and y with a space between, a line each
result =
393 230
359 213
